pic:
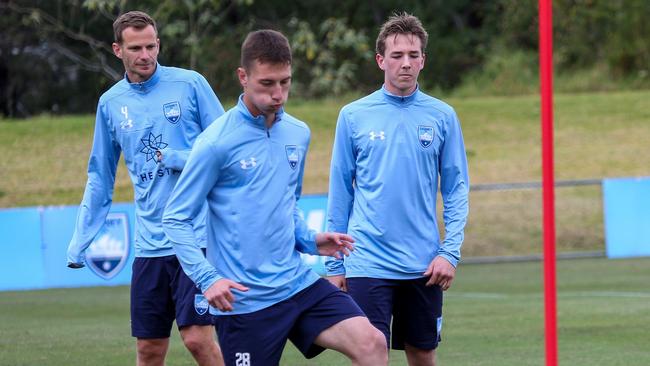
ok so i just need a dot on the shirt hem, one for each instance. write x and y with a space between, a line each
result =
251 309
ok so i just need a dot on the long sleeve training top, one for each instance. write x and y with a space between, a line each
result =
252 178
390 154
164 113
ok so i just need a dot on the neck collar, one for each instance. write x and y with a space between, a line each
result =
399 99
257 121
148 84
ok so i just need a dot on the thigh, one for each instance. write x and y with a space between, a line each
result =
417 316
152 308
190 304
256 338
321 306
375 297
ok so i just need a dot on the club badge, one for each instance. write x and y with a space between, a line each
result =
200 304
292 155
425 135
172 112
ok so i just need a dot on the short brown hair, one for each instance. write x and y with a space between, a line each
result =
135 19
265 46
403 23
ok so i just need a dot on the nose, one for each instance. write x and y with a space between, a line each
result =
276 92
144 54
406 62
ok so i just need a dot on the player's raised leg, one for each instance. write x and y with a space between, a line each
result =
358 340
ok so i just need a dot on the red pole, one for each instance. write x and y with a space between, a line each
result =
546 88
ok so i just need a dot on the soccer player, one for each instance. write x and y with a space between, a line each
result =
153 115
249 164
391 150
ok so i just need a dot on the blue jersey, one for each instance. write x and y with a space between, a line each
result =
252 178
164 113
390 154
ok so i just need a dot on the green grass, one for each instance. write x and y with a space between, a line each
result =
597 135
493 316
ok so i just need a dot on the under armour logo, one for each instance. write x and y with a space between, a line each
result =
248 164
374 135
127 123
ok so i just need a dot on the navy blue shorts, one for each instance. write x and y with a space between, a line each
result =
416 309
258 338
162 292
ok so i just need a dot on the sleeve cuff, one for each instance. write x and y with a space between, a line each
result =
170 159
450 258
208 283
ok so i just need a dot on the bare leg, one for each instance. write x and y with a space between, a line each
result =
152 351
199 340
356 338
420 357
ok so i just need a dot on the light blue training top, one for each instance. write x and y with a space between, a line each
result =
390 153
164 113
252 178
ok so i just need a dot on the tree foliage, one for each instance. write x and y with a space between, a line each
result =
55 56
328 58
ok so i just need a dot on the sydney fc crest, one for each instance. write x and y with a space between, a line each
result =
425 135
172 111
200 304
109 252
292 155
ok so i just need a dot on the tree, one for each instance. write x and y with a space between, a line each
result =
47 49
55 56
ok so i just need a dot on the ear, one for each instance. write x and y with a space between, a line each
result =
242 76
117 50
380 61
424 58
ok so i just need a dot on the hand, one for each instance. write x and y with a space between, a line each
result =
333 244
75 258
338 281
159 156
442 273
220 296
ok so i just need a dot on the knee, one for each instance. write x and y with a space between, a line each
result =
417 356
197 343
151 352
378 341
373 346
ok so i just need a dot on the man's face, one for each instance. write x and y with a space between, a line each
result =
139 52
266 87
402 62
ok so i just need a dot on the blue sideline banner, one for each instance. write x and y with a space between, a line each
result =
113 244
35 240
626 206
22 260
314 211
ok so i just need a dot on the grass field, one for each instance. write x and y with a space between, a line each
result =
493 317
597 135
